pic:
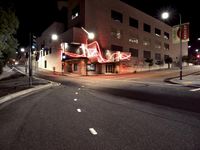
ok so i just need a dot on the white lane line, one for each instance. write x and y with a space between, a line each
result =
92 131
76 93
79 89
78 110
75 99
194 90
82 86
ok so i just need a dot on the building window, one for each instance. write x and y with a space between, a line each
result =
166 56
75 12
147 28
115 33
116 48
166 35
133 22
147 54
146 42
45 64
134 52
91 67
75 67
166 46
157 56
117 16
158 45
157 32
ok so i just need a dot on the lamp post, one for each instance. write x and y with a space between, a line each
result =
55 37
165 15
90 36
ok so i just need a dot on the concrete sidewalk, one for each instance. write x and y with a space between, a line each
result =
191 80
14 84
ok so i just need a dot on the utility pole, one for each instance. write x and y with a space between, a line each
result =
30 61
180 28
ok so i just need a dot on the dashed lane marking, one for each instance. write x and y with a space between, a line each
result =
78 110
92 131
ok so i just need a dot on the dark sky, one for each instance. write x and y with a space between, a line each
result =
36 15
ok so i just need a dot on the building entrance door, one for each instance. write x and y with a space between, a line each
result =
110 68
69 68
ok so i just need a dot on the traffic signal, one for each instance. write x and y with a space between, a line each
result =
33 42
64 56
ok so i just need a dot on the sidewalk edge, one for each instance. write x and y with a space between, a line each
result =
23 92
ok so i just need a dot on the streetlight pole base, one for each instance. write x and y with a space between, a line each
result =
181 74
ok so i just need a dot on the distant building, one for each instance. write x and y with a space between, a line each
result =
124 38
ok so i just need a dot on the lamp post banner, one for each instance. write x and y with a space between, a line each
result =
184 33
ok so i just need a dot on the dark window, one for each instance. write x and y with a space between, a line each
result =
43 52
117 16
166 46
157 56
166 56
133 22
75 12
75 67
157 32
45 64
134 52
116 48
147 54
166 35
147 27
91 67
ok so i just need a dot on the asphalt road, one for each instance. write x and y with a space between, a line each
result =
100 115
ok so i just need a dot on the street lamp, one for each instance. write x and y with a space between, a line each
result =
90 36
55 37
22 50
165 15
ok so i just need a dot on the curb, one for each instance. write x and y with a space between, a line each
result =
30 90
169 80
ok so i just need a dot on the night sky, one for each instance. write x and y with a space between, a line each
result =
36 15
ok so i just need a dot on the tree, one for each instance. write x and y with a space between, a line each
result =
8 28
168 60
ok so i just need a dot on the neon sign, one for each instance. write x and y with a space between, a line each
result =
93 52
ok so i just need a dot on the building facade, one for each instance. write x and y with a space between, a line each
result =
124 38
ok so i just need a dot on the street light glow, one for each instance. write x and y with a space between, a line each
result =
197 50
165 15
54 37
22 50
91 36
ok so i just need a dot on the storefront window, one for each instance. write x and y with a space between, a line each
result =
91 67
